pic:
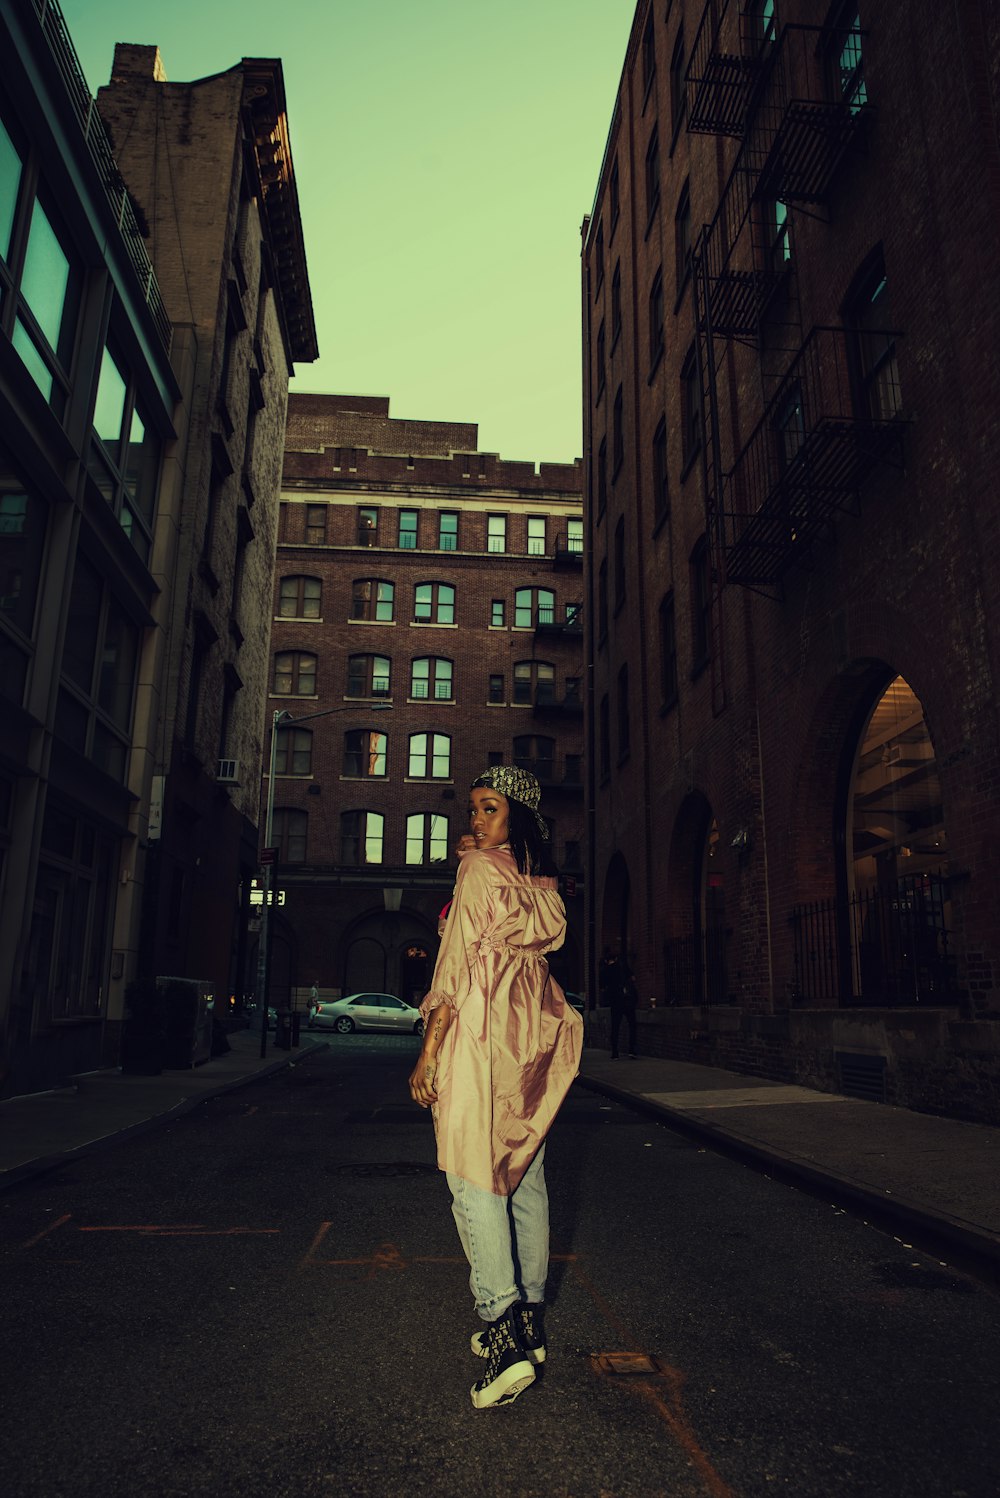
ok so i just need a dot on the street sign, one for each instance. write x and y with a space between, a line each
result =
268 856
570 887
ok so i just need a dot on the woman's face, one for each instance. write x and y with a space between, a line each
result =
488 817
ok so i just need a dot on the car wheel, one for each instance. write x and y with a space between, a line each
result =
418 1028
344 1026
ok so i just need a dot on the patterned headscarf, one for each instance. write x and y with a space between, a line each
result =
517 785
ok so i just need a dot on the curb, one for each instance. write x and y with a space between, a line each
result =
18 1174
972 1250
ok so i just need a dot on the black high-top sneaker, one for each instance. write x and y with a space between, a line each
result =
508 1371
531 1318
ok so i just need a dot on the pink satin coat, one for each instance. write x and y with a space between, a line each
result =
514 1044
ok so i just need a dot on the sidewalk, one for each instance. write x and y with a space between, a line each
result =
936 1180
46 1128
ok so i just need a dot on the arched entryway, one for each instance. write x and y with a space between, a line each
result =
695 955
616 909
894 930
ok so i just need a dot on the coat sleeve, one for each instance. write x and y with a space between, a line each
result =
468 918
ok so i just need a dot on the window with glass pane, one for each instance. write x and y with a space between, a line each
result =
431 677
448 530
623 713
617 433
790 428
45 278
367 526
534 606
434 603
23 520
761 28
535 752
574 535
407 530
361 837
882 396
536 535
84 625
496 533
380 675
426 838
616 304
316 525
661 491
116 675
290 834
682 236
602 477
364 754
497 610
293 752
690 408
372 599
781 246
602 600
496 689
668 651
604 738
294 674
601 361
430 756
850 63
11 167
300 597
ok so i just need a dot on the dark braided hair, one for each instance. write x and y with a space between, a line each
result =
532 853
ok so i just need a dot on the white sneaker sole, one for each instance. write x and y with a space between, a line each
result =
505 1387
477 1342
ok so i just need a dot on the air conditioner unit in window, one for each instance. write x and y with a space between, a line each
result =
228 772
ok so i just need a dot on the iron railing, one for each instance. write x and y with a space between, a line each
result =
696 968
877 947
822 434
96 136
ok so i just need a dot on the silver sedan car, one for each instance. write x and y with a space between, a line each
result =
366 1011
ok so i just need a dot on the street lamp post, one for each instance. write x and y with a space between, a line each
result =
281 719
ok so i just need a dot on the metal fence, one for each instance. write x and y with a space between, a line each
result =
696 968
877 947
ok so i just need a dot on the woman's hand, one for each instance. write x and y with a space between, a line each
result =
465 844
422 1081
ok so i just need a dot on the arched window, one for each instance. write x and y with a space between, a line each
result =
368 676
426 838
289 829
361 834
431 678
430 756
372 599
434 603
293 752
300 598
534 606
294 674
534 681
364 754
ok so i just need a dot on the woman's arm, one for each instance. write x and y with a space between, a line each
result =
423 1077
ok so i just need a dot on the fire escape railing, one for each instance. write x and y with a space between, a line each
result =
820 437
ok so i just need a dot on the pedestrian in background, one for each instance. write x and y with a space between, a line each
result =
624 999
501 1047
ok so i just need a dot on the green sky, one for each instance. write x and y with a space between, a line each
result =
446 153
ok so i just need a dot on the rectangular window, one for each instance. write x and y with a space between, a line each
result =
316 525
599 258
656 321
574 536
536 535
850 67
649 52
448 530
497 613
690 409
668 651
602 477
682 236
367 526
604 738
407 530
601 362
616 304
496 533
426 838
614 194
661 493
496 689
617 435
652 175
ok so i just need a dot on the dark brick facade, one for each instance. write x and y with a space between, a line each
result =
346 456
823 519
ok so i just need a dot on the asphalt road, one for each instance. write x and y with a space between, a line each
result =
266 1298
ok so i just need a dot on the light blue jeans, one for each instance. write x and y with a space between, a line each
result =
505 1238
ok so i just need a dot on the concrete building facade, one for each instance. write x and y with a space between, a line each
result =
142 432
427 621
790 428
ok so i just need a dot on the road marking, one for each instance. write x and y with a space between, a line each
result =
46 1231
669 1406
182 1230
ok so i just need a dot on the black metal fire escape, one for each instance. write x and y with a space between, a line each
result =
783 95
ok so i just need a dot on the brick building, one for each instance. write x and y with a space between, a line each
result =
427 612
146 338
791 513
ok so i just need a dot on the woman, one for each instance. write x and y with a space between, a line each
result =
501 1047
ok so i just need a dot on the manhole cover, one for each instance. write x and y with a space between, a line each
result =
625 1363
393 1168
